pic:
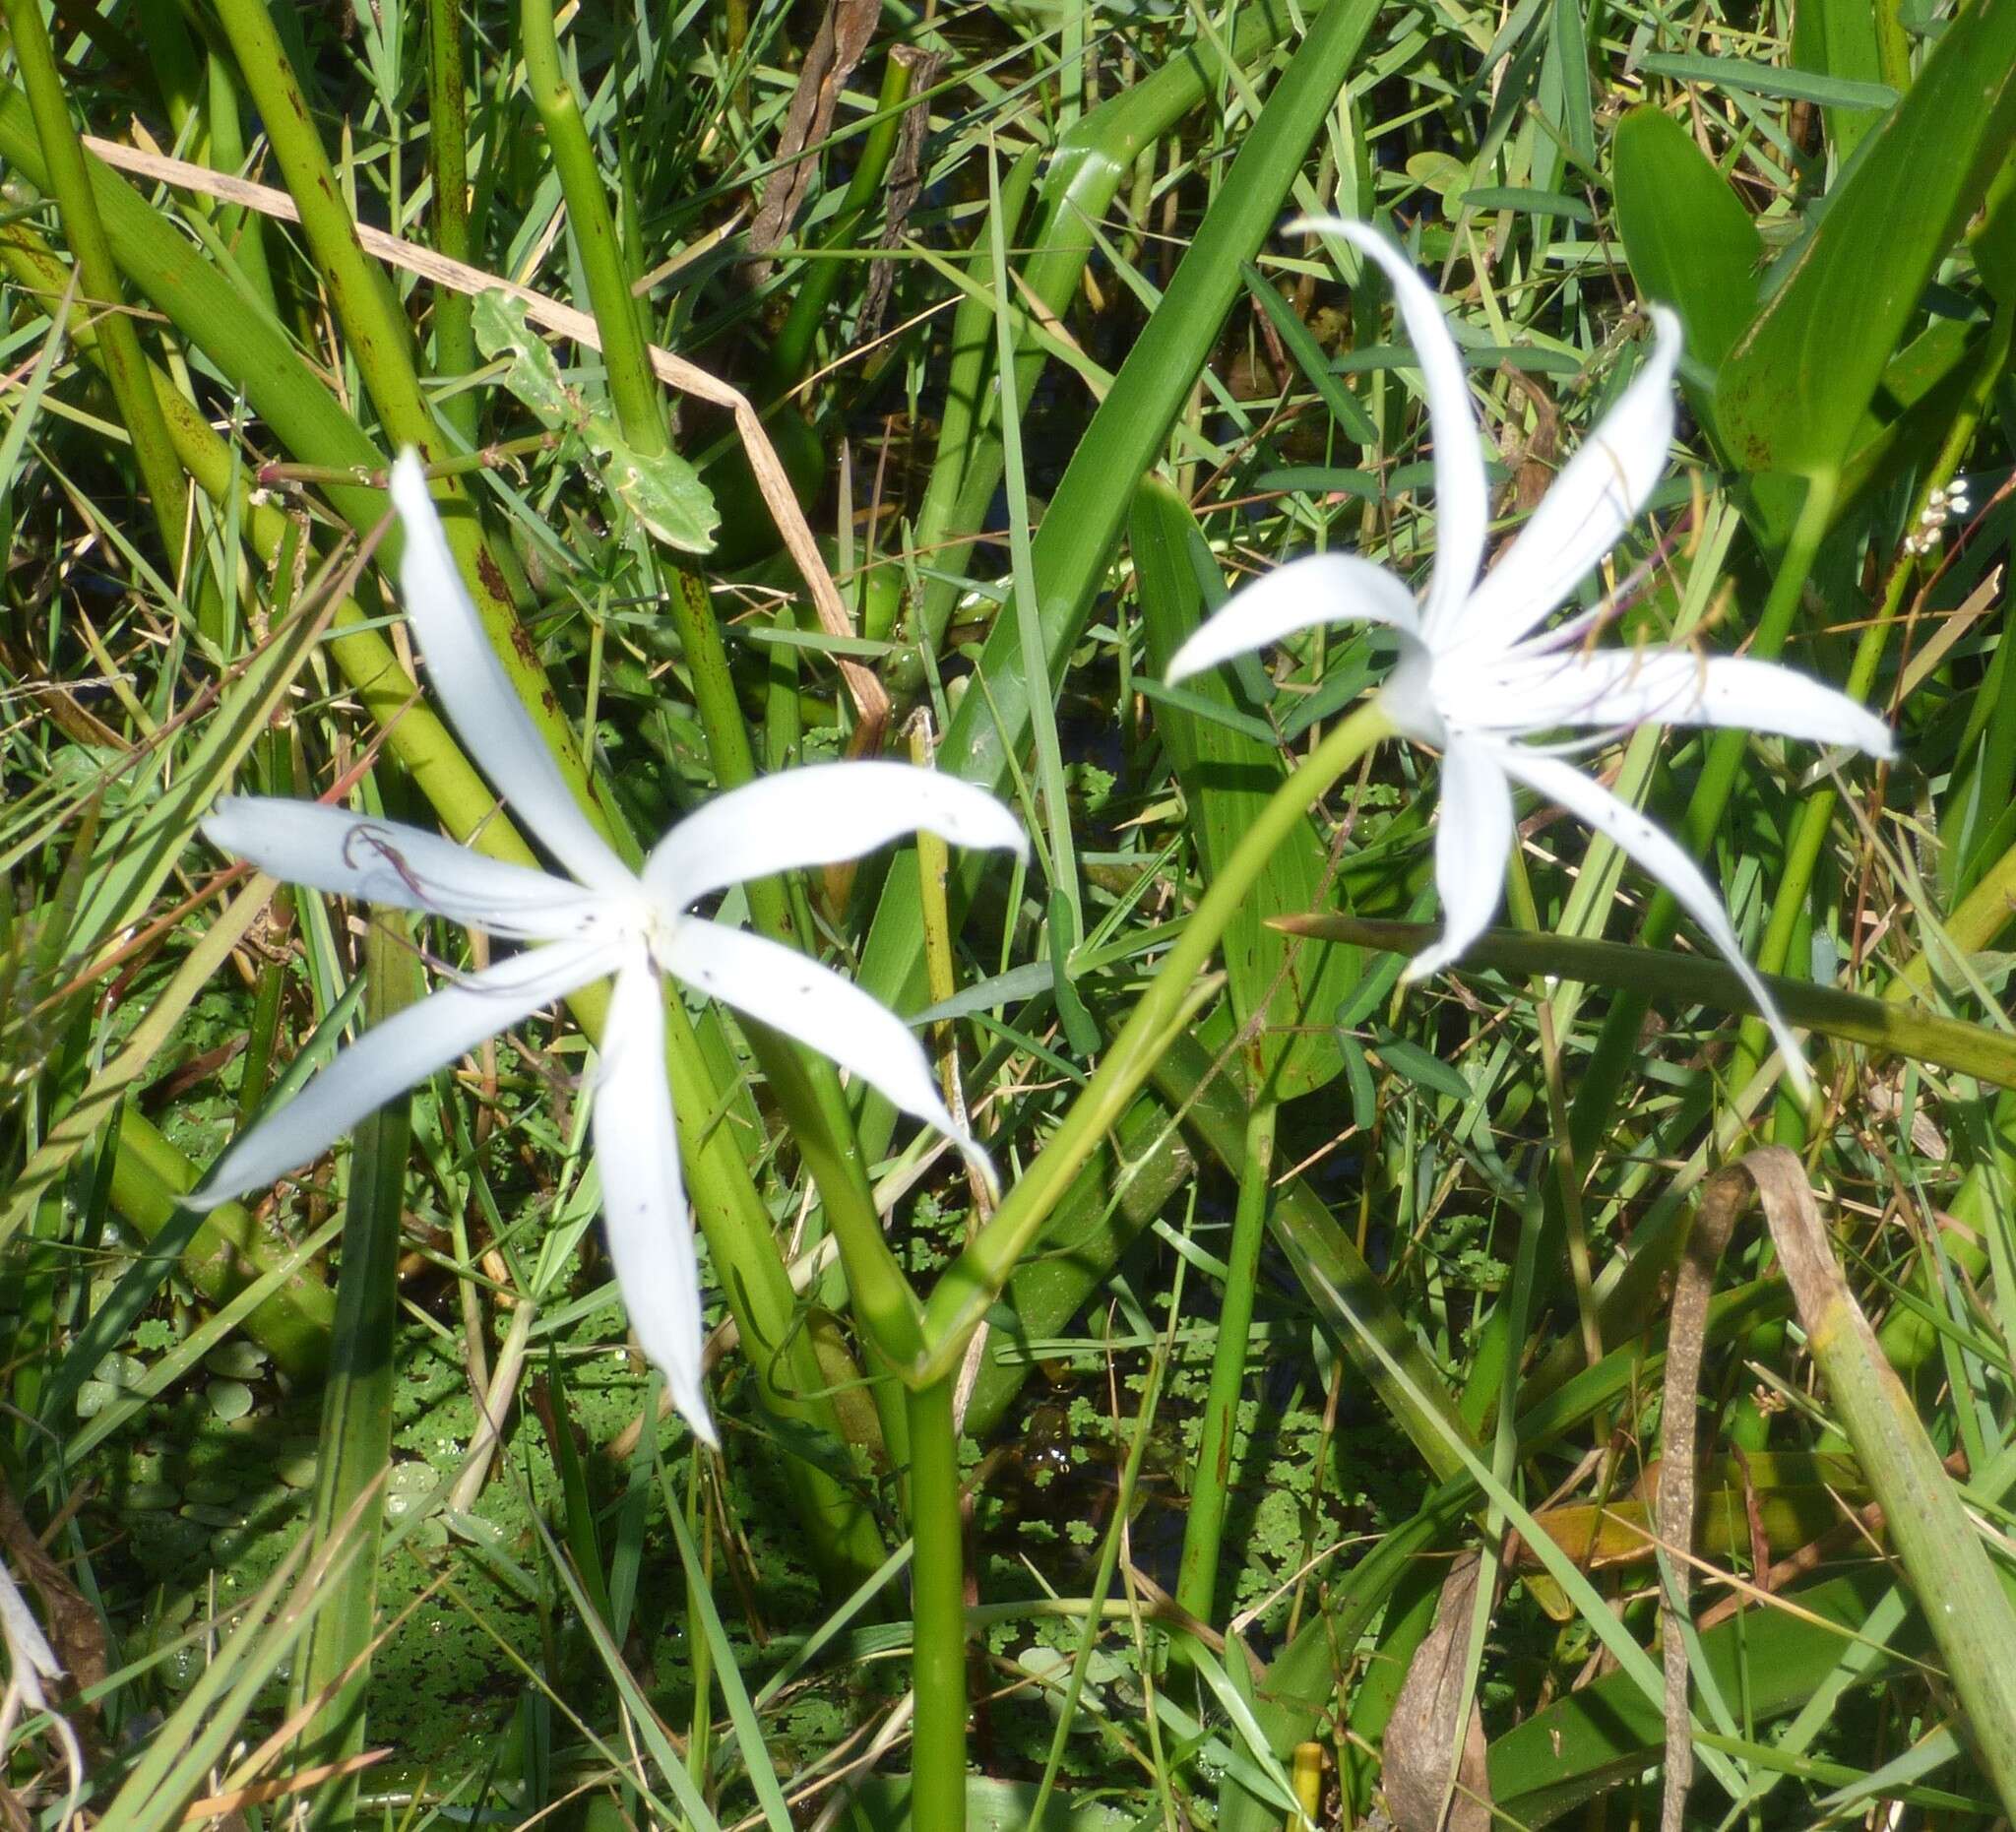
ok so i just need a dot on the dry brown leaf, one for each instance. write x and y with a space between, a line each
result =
836 50
1420 1735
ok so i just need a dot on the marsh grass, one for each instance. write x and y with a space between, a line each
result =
251 1492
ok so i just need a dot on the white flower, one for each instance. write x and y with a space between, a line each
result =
1476 671
605 920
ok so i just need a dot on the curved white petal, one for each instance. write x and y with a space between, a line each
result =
488 714
1462 507
1471 846
388 863
1318 589
792 992
405 1048
817 815
1591 502
1657 852
644 1197
1616 688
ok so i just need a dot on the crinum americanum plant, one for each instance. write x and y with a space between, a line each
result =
603 920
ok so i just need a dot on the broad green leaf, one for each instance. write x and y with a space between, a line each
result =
1228 774
1837 38
1689 241
1798 383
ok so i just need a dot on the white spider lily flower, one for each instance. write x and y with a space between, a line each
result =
1477 673
605 920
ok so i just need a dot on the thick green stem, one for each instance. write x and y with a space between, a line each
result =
454 343
1204 1525
358 289
938 1614
125 365
626 353
962 1294
380 344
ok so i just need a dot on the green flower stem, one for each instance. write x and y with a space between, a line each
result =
791 355
1204 1524
358 291
125 367
626 355
938 1614
970 1284
455 341
357 1396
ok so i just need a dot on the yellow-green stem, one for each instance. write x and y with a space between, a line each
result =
973 1281
124 363
938 1614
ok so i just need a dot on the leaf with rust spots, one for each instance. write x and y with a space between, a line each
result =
492 576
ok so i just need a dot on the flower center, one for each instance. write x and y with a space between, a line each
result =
1408 698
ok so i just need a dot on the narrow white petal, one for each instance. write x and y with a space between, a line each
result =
1587 509
818 815
405 1048
1462 507
1471 846
1659 854
644 1197
25 1642
792 992
386 862
1609 689
1318 589
485 708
